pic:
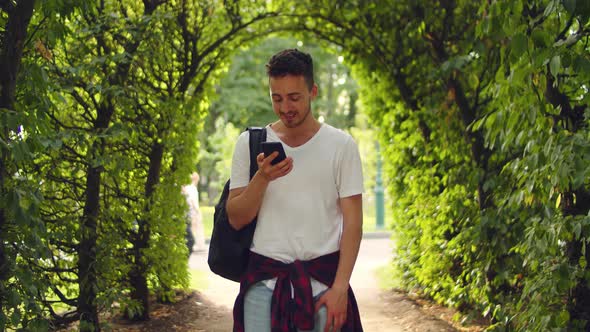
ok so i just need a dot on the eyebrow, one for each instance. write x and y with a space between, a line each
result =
292 94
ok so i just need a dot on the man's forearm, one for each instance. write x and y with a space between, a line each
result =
350 241
349 249
243 207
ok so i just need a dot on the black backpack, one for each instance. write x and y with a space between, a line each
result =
229 249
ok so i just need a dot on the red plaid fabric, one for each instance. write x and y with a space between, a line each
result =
289 314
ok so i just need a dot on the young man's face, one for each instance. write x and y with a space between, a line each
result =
291 99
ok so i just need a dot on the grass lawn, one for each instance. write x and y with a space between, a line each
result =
369 223
198 279
388 277
207 214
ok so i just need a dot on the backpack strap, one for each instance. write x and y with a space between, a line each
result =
257 136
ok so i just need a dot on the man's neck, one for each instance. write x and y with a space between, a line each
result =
299 135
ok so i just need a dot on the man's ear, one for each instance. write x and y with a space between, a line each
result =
314 91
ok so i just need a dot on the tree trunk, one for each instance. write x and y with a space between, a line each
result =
139 286
138 274
15 34
87 272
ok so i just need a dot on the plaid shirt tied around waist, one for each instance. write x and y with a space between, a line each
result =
289 314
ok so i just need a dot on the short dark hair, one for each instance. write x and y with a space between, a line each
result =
291 62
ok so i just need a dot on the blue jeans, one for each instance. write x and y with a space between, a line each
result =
257 310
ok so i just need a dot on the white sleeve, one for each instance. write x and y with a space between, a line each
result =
240 165
350 171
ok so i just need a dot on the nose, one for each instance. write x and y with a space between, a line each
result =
286 106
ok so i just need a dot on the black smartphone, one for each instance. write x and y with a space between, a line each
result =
270 147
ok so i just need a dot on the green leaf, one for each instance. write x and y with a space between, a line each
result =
581 64
13 298
564 317
551 7
519 44
473 80
541 38
577 230
555 65
21 151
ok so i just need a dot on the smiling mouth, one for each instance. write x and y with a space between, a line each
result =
289 116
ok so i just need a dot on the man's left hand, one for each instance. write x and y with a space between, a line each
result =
336 302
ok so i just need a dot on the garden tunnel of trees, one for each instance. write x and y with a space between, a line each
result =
481 107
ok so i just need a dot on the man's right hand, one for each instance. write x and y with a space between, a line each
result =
243 203
272 172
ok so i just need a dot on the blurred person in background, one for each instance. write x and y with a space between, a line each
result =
195 235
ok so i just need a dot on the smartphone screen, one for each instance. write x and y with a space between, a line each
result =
270 147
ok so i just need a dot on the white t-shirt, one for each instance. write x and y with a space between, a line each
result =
192 197
300 216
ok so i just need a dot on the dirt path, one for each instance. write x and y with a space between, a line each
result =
374 253
381 311
208 309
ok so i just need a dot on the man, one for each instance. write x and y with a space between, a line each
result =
309 209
